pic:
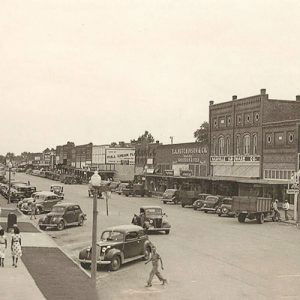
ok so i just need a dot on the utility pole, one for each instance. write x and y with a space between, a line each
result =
171 138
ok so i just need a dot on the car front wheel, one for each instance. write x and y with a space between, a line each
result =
147 253
61 225
115 263
42 227
86 265
167 231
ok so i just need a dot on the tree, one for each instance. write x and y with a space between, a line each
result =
201 134
146 137
10 156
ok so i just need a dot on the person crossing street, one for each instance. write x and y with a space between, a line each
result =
155 258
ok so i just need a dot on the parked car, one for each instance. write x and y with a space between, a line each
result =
212 203
118 245
58 190
137 189
151 218
188 198
15 195
170 196
44 202
28 171
69 179
25 189
63 215
226 208
200 201
121 187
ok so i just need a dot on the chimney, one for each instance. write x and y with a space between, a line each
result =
263 91
298 98
211 102
234 97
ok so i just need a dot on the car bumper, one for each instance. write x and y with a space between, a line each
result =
208 209
100 262
48 225
158 229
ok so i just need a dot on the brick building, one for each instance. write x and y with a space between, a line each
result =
64 156
254 144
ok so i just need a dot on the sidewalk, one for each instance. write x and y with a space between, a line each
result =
44 271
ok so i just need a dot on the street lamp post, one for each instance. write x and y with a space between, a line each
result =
96 183
9 180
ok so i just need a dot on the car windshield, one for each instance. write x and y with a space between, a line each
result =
211 199
58 209
112 236
153 211
56 188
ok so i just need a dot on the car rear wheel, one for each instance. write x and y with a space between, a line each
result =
260 218
219 214
86 265
242 218
61 225
205 211
80 222
224 210
167 231
164 202
42 227
115 263
183 205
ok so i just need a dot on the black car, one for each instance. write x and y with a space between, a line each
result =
170 196
118 245
63 215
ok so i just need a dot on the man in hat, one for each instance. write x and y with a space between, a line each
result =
286 207
275 207
155 258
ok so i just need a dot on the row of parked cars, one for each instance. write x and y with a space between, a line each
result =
222 205
18 190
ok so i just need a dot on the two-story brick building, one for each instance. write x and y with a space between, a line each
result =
254 144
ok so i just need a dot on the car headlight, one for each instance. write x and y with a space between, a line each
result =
151 221
54 219
104 249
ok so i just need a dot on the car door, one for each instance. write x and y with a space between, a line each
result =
77 211
70 215
131 245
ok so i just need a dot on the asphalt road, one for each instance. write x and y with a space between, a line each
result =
205 256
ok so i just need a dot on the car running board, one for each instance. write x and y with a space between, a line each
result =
127 260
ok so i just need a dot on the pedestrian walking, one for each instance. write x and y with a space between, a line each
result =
3 247
28 183
286 207
16 246
275 207
33 209
155 258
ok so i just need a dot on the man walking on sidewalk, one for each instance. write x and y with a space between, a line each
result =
155 257
33 209
286 207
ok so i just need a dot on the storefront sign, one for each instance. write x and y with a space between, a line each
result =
120 155
246 158
186 173
221 158
169 172
198 150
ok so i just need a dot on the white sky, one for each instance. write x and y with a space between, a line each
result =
103 71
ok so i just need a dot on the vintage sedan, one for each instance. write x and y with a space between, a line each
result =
118 245
58 190
151 218
226 208
170 196
200 201
26 189
63 215
44 202
212 203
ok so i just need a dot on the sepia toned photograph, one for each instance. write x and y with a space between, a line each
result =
150 150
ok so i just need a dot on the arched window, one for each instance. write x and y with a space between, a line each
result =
238 143
254 144
221 145
246 144
227 146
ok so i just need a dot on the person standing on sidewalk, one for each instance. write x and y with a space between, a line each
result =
3 247
286 207
16 250
33 209
275 207
155 258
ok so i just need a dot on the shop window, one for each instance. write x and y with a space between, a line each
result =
255 144
221 146
246 144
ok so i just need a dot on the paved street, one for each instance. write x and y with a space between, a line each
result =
205 256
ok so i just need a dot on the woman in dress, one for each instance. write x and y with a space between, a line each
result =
3 246
16 250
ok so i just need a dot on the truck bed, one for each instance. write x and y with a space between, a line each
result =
251 204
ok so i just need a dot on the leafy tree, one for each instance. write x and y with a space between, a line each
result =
201 134
113 144
146 137
10 156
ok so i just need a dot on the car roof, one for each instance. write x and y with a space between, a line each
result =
53 185
65 204
124 228
23 185
150 206
46 193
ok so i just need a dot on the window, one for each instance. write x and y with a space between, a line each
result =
221 146
215 123
248 118
257 117
229 121
238 142
269 139
227 145
214 147
246 144
291 137
131 235
255 144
